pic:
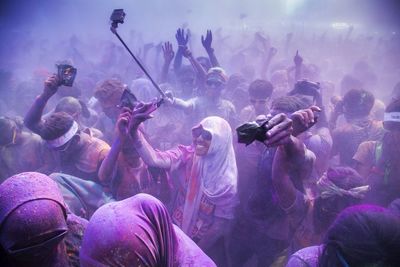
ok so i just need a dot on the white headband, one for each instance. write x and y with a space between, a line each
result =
63 139
392 116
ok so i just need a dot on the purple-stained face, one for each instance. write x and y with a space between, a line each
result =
202 140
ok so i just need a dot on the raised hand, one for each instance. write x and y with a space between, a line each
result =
168 52
304 119
122 125
279 130
181 38
51 85
298 60
141 113
207 41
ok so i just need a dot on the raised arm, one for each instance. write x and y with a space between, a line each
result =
291 154
168 53
207 41
151 157
33 119
182 40
200 71
109 165
298 64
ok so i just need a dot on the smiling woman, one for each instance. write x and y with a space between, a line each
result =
204 176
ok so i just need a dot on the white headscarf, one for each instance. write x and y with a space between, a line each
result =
217 172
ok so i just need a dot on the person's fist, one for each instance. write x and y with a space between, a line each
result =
304 119
51 85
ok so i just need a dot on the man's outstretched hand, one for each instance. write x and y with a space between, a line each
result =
279 130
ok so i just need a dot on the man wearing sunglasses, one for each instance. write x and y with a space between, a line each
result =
210 103
36 228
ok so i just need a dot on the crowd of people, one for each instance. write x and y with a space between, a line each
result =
264 152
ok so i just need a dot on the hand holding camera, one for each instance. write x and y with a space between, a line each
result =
51 85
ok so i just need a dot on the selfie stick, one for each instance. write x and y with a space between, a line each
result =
113 29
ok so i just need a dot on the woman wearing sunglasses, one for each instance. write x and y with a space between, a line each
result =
203 175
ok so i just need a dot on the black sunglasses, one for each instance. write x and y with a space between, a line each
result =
206 135
213 83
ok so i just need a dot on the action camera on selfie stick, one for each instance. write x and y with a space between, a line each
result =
117 17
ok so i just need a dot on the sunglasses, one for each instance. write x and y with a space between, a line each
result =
197 132
214 83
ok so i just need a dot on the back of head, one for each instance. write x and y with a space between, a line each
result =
136 231
109 89
260 89
69 105
358 103
339 188
361 236
349 82
56 125
289 104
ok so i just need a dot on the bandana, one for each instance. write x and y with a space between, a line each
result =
329 189
392 116
62 140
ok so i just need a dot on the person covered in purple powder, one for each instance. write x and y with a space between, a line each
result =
36 227
363 235
203 176
138 231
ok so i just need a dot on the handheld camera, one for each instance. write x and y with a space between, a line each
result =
66 74
251 131
117 16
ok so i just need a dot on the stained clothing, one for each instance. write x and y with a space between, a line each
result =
264 229
82 197
347 138
40 210
86 163
306 257
133 176
138 232
205 186
384 189
30 153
